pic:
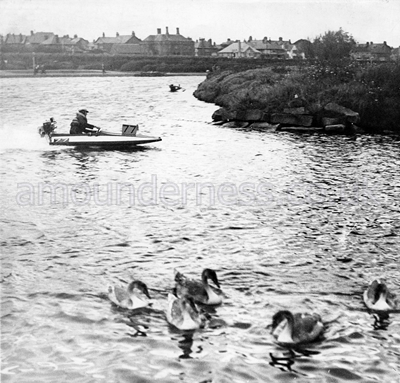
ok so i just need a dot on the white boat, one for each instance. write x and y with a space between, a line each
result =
129 137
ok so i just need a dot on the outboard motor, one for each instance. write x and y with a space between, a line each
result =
47 128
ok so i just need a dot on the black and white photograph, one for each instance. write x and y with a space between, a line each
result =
200 191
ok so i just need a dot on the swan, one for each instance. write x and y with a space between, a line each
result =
288 328
200 291
377 297
183 313
133 297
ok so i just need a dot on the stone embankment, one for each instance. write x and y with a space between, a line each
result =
331 119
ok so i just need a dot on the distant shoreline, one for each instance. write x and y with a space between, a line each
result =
87 73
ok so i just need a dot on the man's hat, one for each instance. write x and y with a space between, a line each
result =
83 111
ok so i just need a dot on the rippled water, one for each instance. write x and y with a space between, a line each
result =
287 221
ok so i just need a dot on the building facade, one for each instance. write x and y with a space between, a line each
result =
166 44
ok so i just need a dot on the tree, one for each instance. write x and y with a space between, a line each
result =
333 45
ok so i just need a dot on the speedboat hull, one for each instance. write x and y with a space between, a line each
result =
102 141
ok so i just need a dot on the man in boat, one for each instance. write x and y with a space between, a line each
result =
174 88
80 125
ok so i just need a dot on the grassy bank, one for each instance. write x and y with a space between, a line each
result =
372 90
171 64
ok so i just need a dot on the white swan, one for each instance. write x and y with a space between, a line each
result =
183 313
377 297
133 297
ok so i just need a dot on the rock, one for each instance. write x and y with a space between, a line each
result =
236 124
253 115
291 119
332 121
349 114
299 110
223 114
301 129
264 126
335 129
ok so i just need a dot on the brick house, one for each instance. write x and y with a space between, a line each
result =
239 49
205 48
168 44
271 48
371 52
106 43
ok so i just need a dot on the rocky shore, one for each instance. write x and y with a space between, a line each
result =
332 100
337 120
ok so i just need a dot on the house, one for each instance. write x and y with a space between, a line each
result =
299 50
13 43
106 43
35 39
168 44
203 47
271 48
371 52
239 49
127 49
395 54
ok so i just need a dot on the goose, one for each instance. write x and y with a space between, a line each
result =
133 297
288 328
183 313
377 297
200 291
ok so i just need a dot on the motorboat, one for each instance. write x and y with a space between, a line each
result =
129 137
174 88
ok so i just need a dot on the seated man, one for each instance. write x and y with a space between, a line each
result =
79 124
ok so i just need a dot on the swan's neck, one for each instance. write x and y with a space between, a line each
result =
187 322
381 303
285 336
213 298
137 302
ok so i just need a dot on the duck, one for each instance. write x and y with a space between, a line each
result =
133 297
377 297
294 329
199 290
183 313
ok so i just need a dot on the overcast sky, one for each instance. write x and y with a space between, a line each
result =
365 20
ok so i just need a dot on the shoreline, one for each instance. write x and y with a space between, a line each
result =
24 73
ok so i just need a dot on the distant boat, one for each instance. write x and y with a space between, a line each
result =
174 88
126 139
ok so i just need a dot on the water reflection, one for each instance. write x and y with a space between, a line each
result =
381 321
288 356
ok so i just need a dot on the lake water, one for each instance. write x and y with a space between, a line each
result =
298 222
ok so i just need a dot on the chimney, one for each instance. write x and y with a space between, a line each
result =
158 31
104 35
133 33
166 30
177 31
280 39
250 38
75 36
117 34
31 33
384 43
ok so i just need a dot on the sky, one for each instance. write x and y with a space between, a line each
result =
365 20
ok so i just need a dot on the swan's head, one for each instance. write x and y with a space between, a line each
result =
138 285
283 316
210 274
